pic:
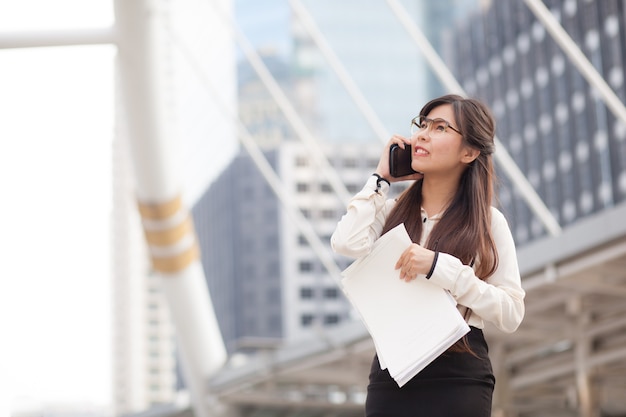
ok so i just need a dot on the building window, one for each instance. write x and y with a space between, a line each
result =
331 319
331 293
302 187
306 293
302 161
349 163
306 266
306 320
326 188
328 214
302 241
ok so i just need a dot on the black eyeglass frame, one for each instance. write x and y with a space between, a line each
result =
418 120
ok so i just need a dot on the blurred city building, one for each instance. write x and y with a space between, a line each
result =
272 287
569 145
241 255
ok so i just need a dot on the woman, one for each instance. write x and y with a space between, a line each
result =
461 243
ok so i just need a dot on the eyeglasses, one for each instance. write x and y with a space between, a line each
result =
436 126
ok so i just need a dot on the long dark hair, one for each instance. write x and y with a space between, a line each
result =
464 229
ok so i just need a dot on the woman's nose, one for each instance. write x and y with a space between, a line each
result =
422 135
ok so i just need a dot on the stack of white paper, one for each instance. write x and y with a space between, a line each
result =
411 323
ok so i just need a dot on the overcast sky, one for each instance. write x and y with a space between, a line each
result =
56 113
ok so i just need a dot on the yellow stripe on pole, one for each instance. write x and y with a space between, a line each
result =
177 262
166 235
170 235
160 211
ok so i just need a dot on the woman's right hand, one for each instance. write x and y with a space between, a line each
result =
383 163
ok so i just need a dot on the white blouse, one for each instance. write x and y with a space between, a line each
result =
499 299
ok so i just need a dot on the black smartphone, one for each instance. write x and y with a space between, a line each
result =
400 161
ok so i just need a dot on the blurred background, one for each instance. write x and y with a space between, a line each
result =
172 172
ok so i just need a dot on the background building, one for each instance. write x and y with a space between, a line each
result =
272 286
559 132
241 255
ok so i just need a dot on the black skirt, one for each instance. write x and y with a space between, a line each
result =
456 384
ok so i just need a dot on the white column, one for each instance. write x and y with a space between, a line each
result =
502 392
39 39
142 64
582 351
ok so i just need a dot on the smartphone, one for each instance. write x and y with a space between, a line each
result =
400 161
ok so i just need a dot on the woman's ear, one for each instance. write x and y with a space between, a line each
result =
470 155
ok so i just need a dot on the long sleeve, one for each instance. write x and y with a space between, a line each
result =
499 299
363 221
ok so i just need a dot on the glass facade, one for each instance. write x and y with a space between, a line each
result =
552 122
237 226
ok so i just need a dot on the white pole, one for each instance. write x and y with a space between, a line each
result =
508 165
38 39
142 57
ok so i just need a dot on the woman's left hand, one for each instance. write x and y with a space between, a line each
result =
414 260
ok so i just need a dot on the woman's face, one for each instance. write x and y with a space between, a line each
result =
437 147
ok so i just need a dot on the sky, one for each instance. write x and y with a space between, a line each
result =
56 130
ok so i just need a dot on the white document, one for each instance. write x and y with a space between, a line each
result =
411 323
